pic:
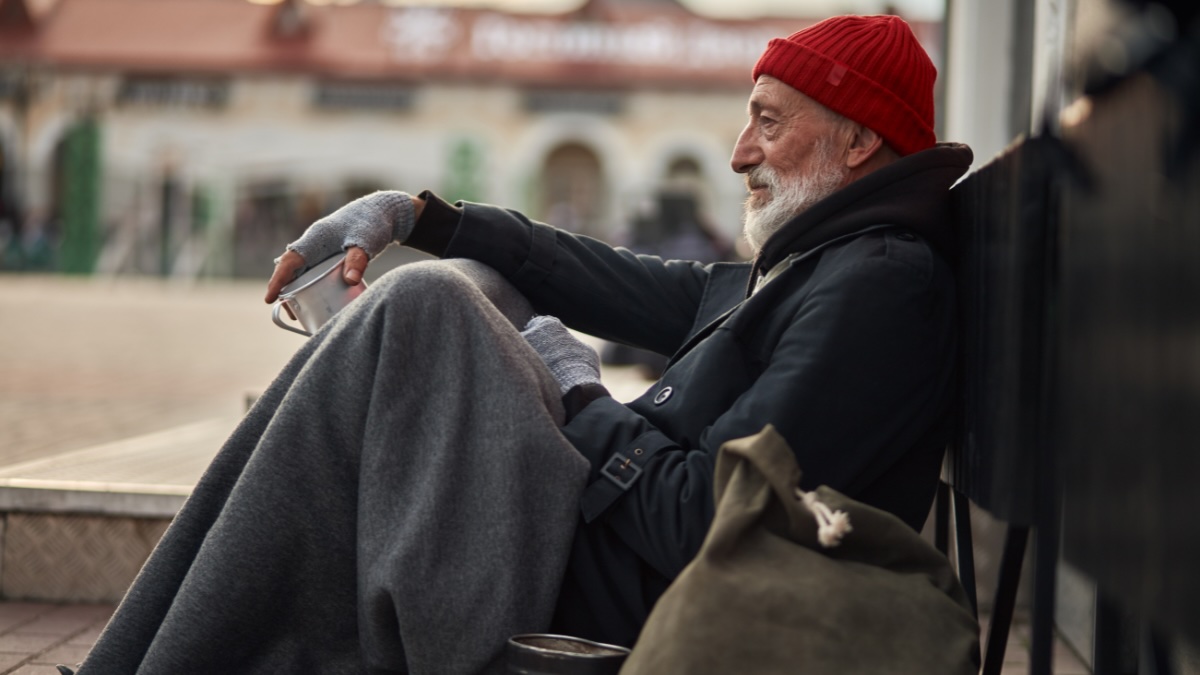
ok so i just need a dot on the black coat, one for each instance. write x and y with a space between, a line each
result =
849 351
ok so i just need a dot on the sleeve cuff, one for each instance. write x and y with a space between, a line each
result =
436 226
578 397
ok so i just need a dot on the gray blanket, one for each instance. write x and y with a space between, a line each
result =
400 500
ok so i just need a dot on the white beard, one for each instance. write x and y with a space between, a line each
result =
791 198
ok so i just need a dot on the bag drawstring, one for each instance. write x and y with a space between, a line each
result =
833 525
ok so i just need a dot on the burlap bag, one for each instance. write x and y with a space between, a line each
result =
764 595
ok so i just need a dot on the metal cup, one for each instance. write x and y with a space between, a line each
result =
315 296
546 654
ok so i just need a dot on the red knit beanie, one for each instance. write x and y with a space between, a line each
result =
870 69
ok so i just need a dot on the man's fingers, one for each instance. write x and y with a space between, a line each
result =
356 264
285 271
292 262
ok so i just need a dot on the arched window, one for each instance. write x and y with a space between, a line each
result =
684 175
572 190
684 167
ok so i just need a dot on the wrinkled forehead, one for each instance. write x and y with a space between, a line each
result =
772 94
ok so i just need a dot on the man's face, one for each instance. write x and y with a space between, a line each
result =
792 152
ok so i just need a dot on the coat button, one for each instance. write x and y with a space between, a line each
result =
905 235
663 395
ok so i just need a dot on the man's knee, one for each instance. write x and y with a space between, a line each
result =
432 279
456 283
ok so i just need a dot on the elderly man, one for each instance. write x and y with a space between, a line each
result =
439 467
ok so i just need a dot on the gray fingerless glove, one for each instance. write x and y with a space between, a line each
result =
572 362
371 222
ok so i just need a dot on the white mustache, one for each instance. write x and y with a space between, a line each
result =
762 176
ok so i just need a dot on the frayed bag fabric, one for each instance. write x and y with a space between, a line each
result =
814 583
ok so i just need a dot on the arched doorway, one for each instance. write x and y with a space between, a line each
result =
573 190
681 225
684 174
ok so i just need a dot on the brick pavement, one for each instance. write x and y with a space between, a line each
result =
36 636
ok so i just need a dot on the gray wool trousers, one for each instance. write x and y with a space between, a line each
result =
399 500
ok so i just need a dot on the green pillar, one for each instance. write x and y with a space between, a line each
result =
80 207
465 172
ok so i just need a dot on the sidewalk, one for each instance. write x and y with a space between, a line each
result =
104 367
36 636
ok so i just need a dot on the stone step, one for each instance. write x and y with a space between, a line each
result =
78 526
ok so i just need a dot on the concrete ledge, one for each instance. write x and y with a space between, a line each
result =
77 527
109 499
146 476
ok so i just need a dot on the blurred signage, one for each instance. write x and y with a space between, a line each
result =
425 35
172 92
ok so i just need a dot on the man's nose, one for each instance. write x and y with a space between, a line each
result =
746 153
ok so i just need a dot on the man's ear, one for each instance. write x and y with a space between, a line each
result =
864 145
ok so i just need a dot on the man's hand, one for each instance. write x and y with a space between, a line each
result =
572 362
291 263
340 226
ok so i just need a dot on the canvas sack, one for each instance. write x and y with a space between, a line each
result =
764 595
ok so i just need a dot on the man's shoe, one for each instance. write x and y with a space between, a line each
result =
65 670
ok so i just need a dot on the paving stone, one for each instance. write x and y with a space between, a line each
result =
13 615
25 643
24 609
36 669
62 624
88 637
9 660
66 654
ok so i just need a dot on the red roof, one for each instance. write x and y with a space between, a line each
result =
604 43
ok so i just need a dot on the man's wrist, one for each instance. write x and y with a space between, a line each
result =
578 397
437 221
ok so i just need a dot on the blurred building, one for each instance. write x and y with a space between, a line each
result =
196 137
